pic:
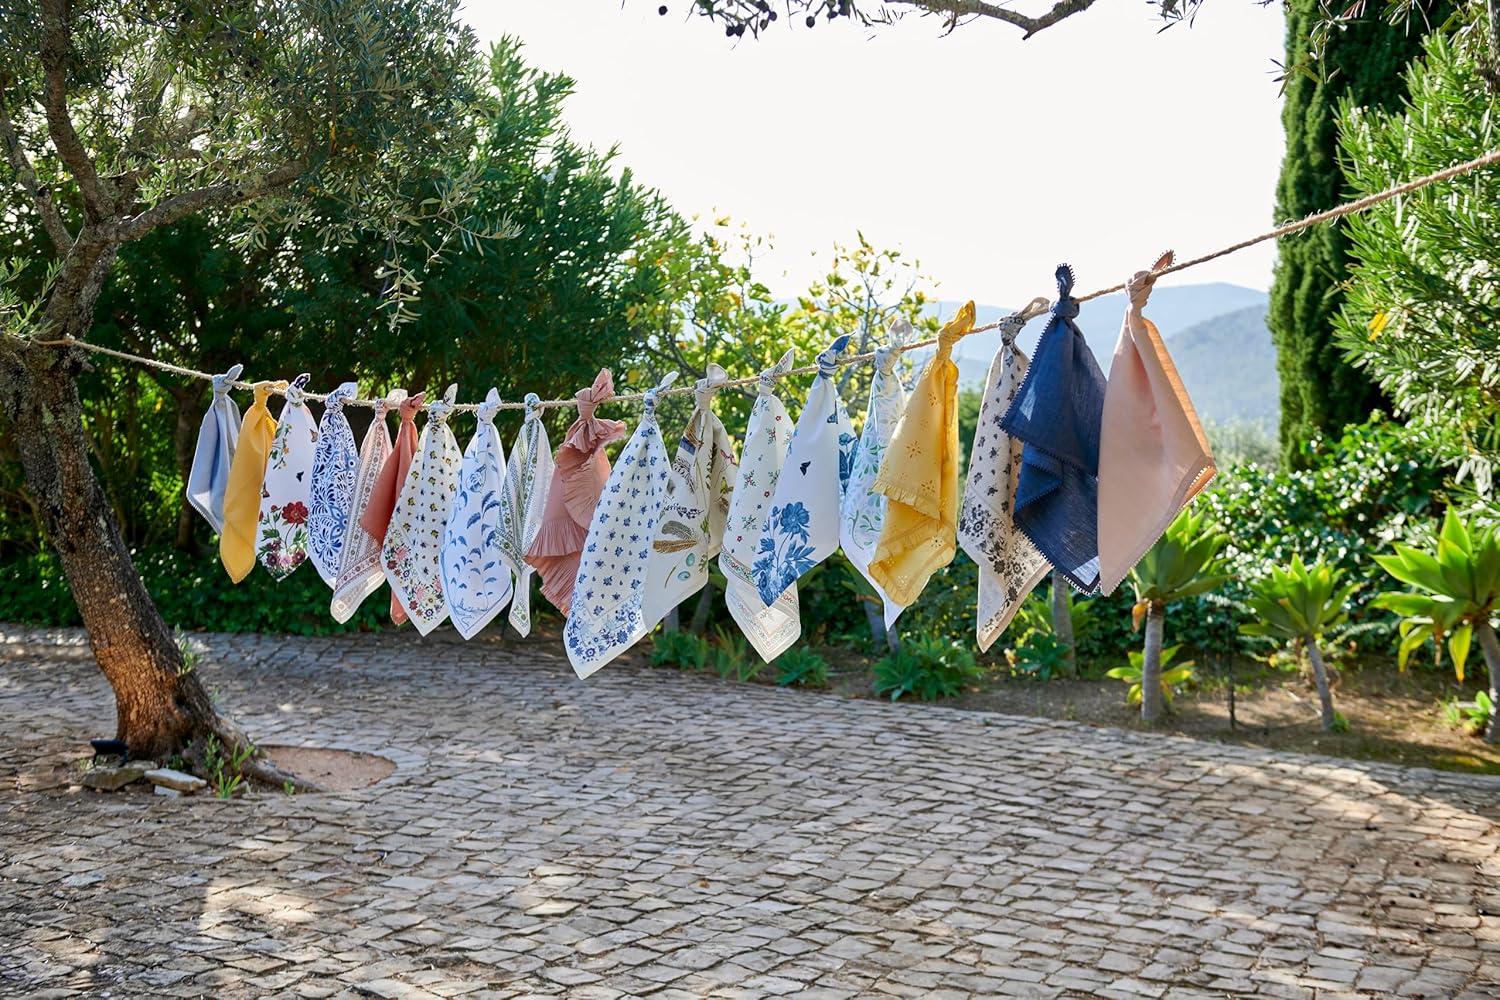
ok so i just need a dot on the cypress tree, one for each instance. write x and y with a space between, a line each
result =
1364 61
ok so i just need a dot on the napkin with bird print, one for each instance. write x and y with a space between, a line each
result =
699 485
476 579
1009 565
413 545
360 573
331 497
283 539
772 628
209 476
247 474
376 519
1153 454
802 528
607 615
528 476
579 472
919 477
1056 415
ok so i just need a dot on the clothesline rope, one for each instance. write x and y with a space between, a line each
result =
1339 211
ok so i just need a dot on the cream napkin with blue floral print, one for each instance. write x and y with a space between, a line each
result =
523 498
476 579
281 535
774 627
413 543
331 498
217 435
607 613
360 574
803 526
698 490
863 510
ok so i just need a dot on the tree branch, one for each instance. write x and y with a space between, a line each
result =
180 206
982 8
52 220
55 46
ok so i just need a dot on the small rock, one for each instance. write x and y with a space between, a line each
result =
170 793
109 779
176 780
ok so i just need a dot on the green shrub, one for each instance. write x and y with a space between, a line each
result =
680 649
1172 677
801 667
927 667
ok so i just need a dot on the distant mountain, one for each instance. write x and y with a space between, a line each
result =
1229 366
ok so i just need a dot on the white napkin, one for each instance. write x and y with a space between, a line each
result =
360 574
522 500
217 435
331 496
413 544
476 580
281 535
770 629
802 528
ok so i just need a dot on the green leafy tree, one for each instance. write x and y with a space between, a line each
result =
1421 314
1359 60
1456 590
1184 562
1298 604
117 119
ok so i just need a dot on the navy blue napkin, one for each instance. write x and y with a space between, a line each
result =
1057 415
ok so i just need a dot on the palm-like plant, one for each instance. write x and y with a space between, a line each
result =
1172 675
1456 591
1299 604
1183 562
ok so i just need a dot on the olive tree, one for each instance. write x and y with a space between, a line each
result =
118 117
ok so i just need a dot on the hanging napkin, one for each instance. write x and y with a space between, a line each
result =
246 475
376 519
919 478
863 510
413 544
475 578
578 475
699 485
283 498
1009 565
609 594
770 629
1153 455
360 574
209 476
331 497
1056 416
528 477
803 527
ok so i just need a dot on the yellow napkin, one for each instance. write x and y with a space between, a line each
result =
919 476
247 474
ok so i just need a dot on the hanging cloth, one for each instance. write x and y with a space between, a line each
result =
247 473
769 628
1056 416
360 574
413 544
579 473
607 616
528 476
691 529
919 477
283 538
475 578
1009 565
376 520
331 497
1153 454
802 528
217 434
863 510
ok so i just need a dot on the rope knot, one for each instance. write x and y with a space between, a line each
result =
828 361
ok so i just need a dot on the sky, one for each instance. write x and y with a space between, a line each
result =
989 159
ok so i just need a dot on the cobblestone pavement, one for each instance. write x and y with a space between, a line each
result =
656 833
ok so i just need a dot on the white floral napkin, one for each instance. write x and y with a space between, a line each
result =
281 535
476 580
360 574
523 497
331 497
413 544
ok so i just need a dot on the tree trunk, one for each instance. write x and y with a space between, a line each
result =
701 610
184 443
1491 648
1320 676
1062 622
1153 705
